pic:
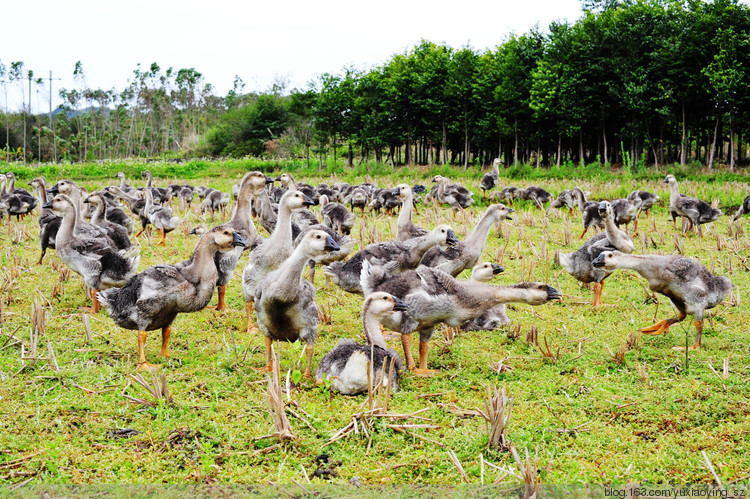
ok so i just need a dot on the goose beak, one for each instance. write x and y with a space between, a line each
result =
399 306
28 183
269 180
666 180
277 179
497 269
395 191
306 201
238 240
602 208
54 189
451 239
599 261
331 245
48 204
193 232
553 294
87 199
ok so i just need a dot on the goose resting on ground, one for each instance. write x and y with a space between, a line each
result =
689 285
152 299
347 364
697 212
285 302
579 264
433 297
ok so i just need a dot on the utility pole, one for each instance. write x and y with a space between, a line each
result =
52 123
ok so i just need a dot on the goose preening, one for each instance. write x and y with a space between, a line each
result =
394 256
744 208
494 317
93 258
689 285
347 364
456 195
49 223
405 228
336 216
465 254
489 181
579 264
152 299
285 301
432 297
274 250
694 210
566 198
242 224
536 194
19 202
160 217
590 214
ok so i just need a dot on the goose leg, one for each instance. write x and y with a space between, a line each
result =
309 349
142 364
269 358
406 343
583 233
663 325
95 300
41 257
162 238
251 329
698 332
424 348
598 286
221 305
635 233
140 231
165 333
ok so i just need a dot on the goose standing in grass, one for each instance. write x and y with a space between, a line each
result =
405 228
124 186
347 364
117 233
93 258
744 209
590 214
465 254
285 301
489 181
643 201
697 212
160 216
357 197
494 317
536 194
87 229
579 264
456 195
336 216
49 223
689 285
274 250
152 299
393 256
135 203
624 212
18 201
434 297
159 194
242 224
566 198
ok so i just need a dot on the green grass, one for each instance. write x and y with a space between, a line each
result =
594 420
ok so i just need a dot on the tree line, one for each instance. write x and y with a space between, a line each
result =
635 82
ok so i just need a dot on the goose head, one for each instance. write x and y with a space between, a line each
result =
285 178
62 187
607 260
318 242
537 293
199 230
146 174
501 212
120 175
94 198
485 271
401 191
223 239
380 305
444 235
295 200
60 204
256 179
37 183
605 210
670 179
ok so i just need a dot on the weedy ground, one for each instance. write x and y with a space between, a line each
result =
600 402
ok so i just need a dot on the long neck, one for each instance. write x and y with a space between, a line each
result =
496 169
99 213
373 335
75 196
67 225
148 180
290 272
482 230
202 261
407 207
11 183
242 215
122 183
149 200
123 195
617 237
3 181
648 266
283 230
674 193
42 194
580 197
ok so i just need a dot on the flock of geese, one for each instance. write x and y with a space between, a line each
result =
409 284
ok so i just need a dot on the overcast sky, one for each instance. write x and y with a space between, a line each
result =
259 41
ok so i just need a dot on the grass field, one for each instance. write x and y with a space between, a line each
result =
604 405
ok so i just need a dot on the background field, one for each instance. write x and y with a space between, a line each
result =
593 418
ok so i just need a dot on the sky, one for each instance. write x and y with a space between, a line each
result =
261 42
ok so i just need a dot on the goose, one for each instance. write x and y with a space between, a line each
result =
394 256
347 364
135 203
489 181
506 194
152 299
494 317
579 264
336 216
456 195
159 194
590 214
303 218
124 186
242 224
405 228
432 297
465 254
358 197
566 198
213 201
93 258
274 250
689 285
117 233
643 201
383 198
49 223
624 211
160 216
697 212
18 201
285 302
114 213
536 194
743 209
70 189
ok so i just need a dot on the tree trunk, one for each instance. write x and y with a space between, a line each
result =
467 144
444 145
559 149
350 155
683 144
515 146
713 145
581 155
604 139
